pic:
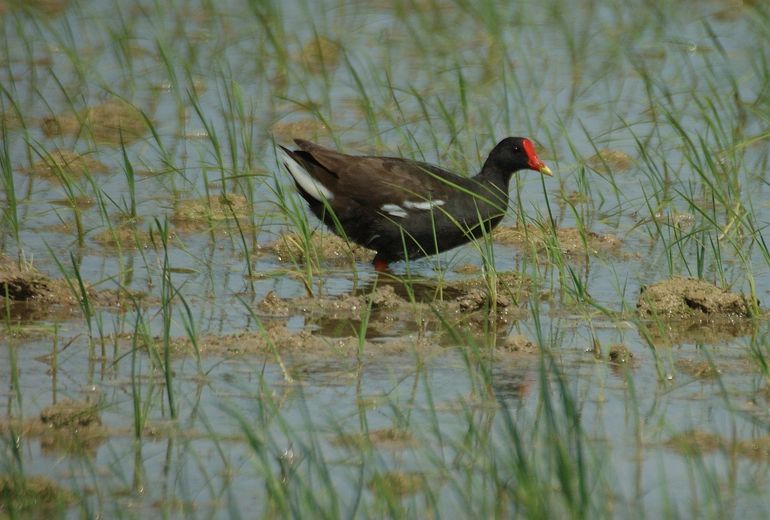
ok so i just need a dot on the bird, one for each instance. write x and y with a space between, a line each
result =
402 208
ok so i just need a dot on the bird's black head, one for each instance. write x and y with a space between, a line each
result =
513 154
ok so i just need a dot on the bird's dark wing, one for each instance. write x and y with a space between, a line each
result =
377 181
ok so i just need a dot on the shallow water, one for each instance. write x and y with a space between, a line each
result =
438 81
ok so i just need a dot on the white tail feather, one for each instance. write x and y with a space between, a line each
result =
424 205
314 188
394 210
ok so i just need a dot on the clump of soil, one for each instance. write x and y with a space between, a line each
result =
520 344
384 437
115 122
687 310
465 302
383 300
606 161
127 235
477 299
45 7
71 426
674 332
198 214
273 305
698 370
275 337
696 442
508 285
571 241
467 269
291 247
385 297
66 426
50 7
78 201
36 496
121 298
576 197
311 129
681 220
34 295
462 297
63 161
692 300
620 354
320 54
397 483
9 119
112 122
21 282
71 415
391 311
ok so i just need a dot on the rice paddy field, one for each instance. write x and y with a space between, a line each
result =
180 337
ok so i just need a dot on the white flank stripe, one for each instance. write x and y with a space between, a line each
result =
316 190
428 204
394 210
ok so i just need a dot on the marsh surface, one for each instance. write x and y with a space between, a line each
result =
178 335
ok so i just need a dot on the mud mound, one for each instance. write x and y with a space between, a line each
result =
312 129
66 426
397 483
397 309
111 123
320 54
687 310
692 300
23 283
607 161
37 496
275 337
128 235
200 214
697 442
292 247
33 295
72 415
64 161
620 354
520 344
570 241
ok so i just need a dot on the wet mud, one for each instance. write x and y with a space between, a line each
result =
293 247
58 163
21 282
688 310
111 123
698 443
36 496
693 300
571 242
67 426
191 215
27 294
610 161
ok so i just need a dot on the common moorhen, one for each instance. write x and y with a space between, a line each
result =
403 208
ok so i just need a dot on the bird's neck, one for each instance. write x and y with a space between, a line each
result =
493 186
495 175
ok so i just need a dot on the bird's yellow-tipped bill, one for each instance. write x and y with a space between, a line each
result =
545 170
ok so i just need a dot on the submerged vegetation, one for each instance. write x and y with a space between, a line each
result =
179 336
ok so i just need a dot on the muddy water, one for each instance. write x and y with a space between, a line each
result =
79 81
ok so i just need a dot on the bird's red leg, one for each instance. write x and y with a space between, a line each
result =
380 265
